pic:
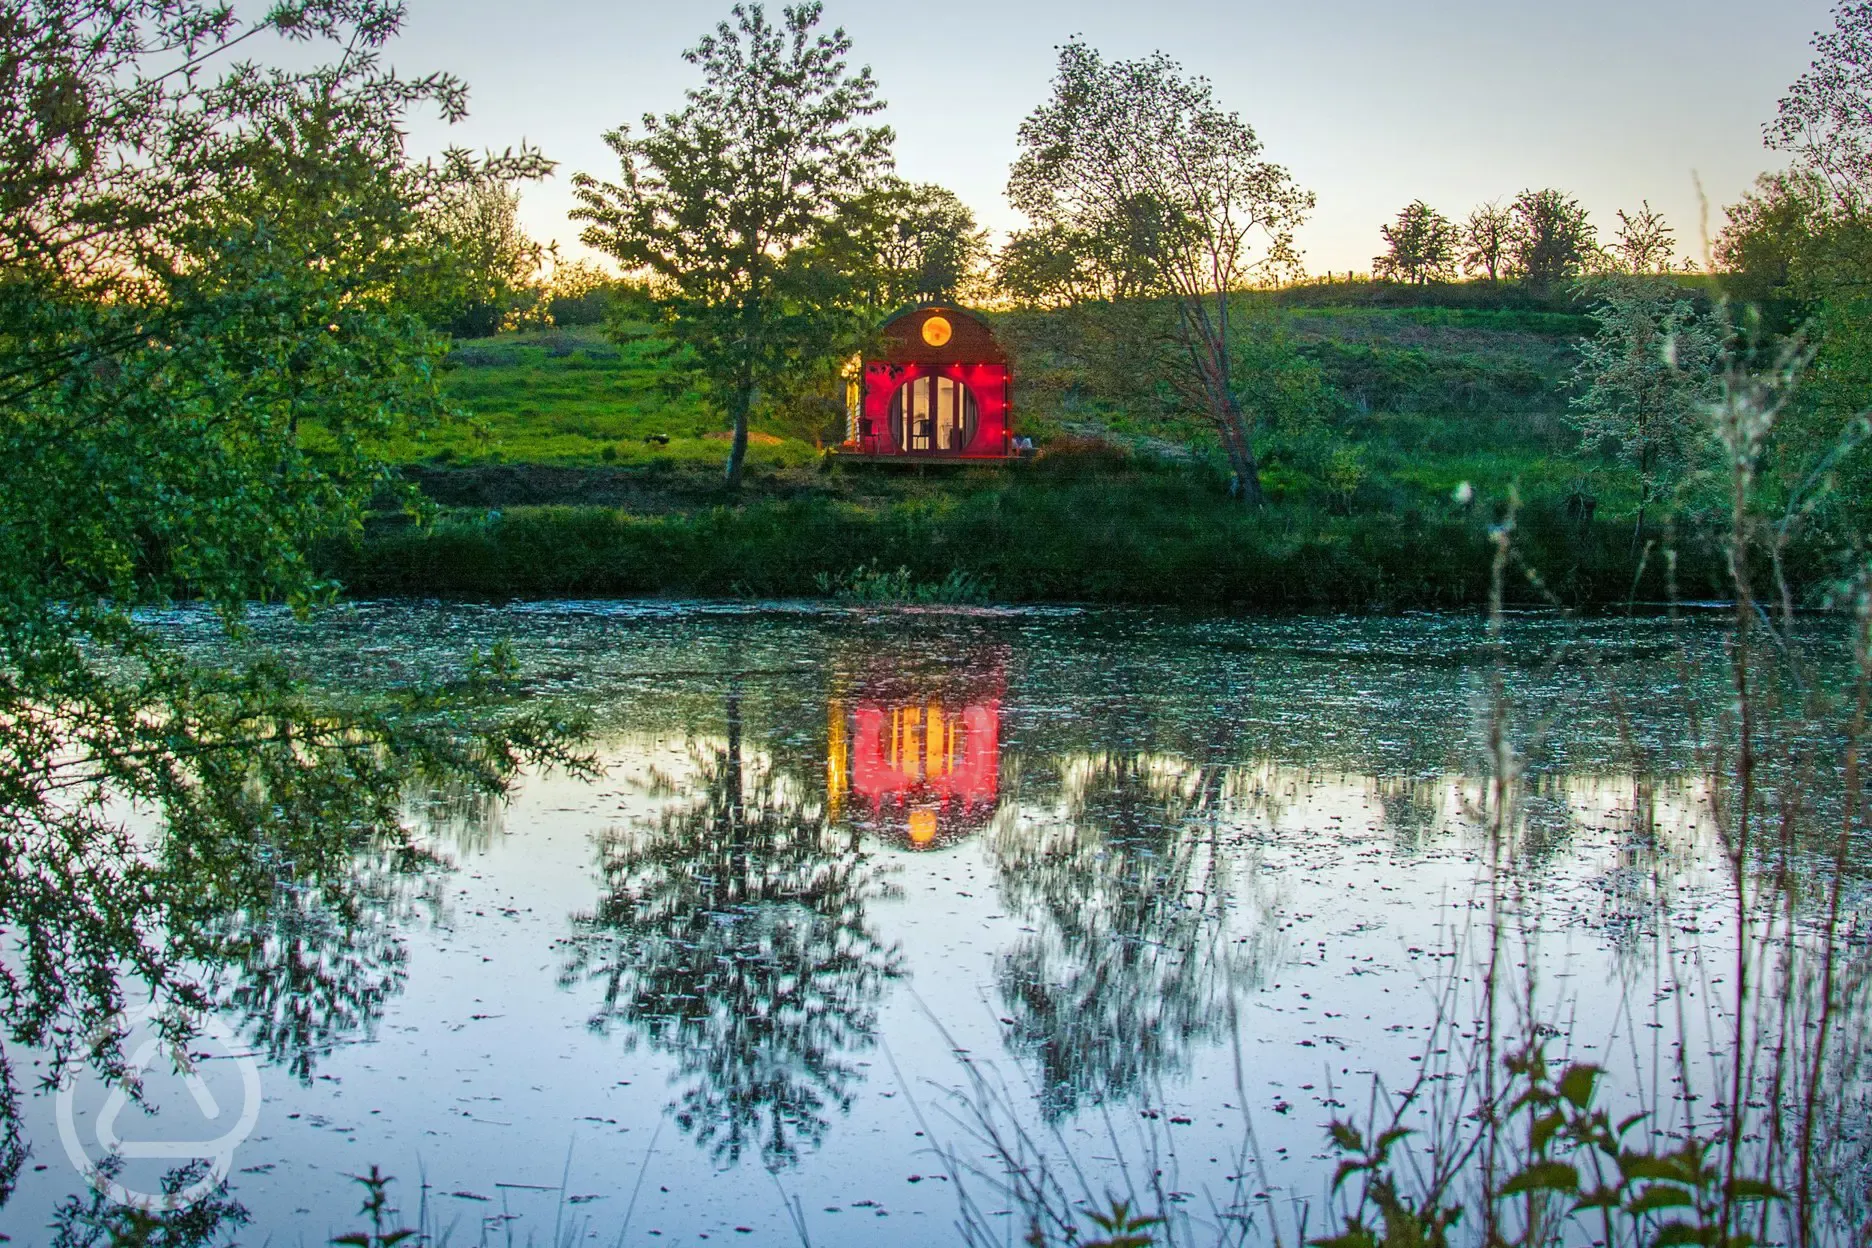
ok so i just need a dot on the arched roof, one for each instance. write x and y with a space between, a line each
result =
949 309
971 341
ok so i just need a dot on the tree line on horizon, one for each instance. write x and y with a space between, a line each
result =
1542 238
926 243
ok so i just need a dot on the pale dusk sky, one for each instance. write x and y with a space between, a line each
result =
1370 103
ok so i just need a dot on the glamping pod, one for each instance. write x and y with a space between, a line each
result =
936 389
917 763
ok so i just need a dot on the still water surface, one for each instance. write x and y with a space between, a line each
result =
1156 876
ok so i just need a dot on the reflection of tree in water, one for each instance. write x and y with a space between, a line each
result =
92 1221
1411 808
269 864
459 817
732 934
12 1139
1653 848
296 906
313 963
1128 884
308 959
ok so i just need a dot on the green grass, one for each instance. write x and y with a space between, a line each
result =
1424 399
572 398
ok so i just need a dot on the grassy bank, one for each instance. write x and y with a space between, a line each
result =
1150 537
582 470
1423 393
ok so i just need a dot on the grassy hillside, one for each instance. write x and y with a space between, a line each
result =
583 471
1419 398
568 398
1431 396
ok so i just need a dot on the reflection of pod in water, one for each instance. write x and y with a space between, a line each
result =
921 769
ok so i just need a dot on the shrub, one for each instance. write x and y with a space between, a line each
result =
1078 454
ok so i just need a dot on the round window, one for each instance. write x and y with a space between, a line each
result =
933 414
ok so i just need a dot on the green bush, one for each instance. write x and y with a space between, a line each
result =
1135 538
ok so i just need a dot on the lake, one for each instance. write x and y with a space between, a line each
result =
862 901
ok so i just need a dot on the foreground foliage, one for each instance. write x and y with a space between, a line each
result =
214 291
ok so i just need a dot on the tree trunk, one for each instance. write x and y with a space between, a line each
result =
1248 472
737 447
1233 427
1644 496
1207 342
746 378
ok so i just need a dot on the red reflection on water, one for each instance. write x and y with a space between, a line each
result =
924 773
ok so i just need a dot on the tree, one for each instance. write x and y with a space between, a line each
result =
1141 183
931 248
1120 342
765 1014
1826 118
1488 237
904 242
1801 245
1826 123
494 266
1772 238
1125 964
1644 243
723 203
1646 378
1551 240
1056 266
578 292
1420 247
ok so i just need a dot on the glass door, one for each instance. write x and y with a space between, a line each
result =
933 414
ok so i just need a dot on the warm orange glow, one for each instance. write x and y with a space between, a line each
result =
838 758
937 331
922 826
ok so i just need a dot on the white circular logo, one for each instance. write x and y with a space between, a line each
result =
147 1052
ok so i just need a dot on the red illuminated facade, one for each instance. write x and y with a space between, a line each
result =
938 389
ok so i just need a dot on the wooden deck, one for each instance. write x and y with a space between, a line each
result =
915 459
